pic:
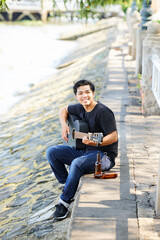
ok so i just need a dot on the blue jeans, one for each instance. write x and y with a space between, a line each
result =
80 161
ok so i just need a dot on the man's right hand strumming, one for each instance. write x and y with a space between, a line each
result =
65 132
63 119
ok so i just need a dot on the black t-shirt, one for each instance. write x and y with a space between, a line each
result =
100 119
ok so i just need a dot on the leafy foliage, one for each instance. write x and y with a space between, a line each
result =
139 76
3 5
86 6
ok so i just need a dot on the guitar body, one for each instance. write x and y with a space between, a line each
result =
75 123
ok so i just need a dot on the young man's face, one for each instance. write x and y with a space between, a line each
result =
84 95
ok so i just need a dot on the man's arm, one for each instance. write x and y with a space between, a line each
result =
63 114
107 140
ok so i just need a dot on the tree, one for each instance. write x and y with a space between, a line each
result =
85 6
3 5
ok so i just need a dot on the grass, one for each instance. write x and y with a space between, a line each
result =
139 76
158 21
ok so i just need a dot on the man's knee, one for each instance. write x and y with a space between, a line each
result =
55 152
50 153
76 166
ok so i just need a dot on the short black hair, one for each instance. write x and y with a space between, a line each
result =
83 82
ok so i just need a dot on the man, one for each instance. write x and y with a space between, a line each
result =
100 119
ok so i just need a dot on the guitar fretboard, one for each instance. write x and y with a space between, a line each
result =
80 135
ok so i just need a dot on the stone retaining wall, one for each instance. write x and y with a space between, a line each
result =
28 191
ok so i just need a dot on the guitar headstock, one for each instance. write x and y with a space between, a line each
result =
96 137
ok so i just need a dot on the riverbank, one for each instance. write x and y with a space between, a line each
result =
28 191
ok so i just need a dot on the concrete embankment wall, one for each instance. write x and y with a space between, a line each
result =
28 191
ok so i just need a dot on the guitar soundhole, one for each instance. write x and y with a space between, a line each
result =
73 132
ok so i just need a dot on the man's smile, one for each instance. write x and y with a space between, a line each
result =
85 96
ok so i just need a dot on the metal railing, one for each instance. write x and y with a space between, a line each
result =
156 92
156 77
29 4
46 3
158 192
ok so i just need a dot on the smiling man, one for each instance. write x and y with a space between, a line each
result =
100 119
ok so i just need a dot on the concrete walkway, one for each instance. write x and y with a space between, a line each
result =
122 208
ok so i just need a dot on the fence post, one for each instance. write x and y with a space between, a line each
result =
43 11
146 13
134 6
158 192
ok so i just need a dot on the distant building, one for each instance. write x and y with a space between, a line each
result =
156 5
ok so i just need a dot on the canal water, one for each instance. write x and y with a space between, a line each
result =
28 54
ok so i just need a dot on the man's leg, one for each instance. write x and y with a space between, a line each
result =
60 155
79 166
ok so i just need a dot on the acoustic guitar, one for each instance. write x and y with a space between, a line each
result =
78 130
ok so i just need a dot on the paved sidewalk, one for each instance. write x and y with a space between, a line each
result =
122 208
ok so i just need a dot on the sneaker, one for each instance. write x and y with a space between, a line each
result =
61 212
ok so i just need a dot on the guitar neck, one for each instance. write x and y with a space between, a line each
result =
80 135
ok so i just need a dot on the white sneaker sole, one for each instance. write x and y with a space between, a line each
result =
60 218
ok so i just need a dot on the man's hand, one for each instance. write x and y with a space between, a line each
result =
65 132
107 140
63 119
88 142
